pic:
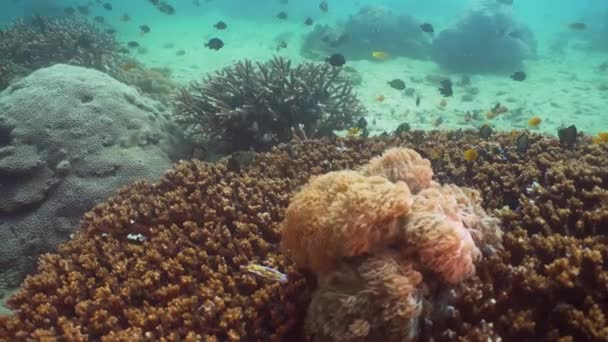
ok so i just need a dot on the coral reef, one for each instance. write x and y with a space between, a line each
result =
486 39
65 145
513 296
45 41
254 106
27 46
373 28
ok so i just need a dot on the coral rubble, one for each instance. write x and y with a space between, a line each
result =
202 222
249 105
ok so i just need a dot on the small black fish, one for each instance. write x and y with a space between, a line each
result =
166 8
323 6
99 19
180 52
282 45
485 131
84 10
336 60
220 25
361 123
519 76
110 31
522 143
133 44
397 84
214 44
107 6
577 26
282 15
446 88
427 28
567 136
144 29
69 10
417 100
308 21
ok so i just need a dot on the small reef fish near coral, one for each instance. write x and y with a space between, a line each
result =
290 170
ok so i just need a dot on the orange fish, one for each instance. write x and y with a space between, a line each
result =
380 98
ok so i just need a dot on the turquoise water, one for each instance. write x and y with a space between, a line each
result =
565 84
70 137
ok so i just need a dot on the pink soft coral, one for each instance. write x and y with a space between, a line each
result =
342 214
443 228
402 164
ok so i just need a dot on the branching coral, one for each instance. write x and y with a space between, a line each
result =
257 105
25 47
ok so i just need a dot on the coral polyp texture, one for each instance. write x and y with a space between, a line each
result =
328 222
164 261
258 105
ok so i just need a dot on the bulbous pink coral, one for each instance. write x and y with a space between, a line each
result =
402 164
443 227
342 214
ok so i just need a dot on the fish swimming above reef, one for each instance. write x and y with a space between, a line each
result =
518 76
567 136
308 21
107 6
577 26
323 6
397 84
427 28
133 44
282 15
144 29
446 88
214 44
220 25
336 60
380 55
125 18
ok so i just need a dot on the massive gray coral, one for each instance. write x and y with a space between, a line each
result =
485 39
256 105
69 137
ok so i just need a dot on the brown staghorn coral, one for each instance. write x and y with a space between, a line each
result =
167 262
342 214
367 299
539 288
501 174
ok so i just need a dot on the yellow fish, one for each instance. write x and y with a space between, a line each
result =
380 55
265 272
353 132
470 155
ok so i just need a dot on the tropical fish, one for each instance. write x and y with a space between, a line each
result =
265 272
353 132
518 76
470 154
380 98
568 135
380 55
534 121
336 60
446 88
